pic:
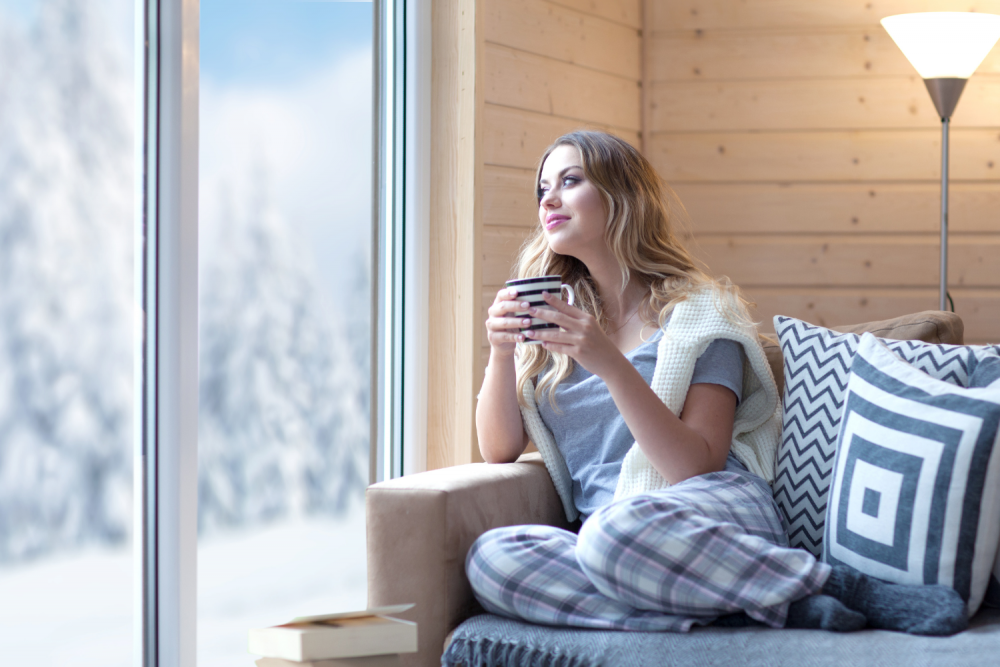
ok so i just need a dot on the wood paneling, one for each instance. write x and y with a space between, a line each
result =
727 14
825 156
508 197
979 309
626 12
516 138
801 55
557 32
846 208
456 176
535 83
816 104
890 260
500 245
807 152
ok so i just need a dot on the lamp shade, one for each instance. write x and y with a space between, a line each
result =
944 44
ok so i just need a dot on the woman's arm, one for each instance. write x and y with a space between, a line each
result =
693 444
502 437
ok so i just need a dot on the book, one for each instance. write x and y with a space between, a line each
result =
366 661
372 632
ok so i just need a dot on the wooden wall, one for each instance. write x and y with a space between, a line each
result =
807 152
803 144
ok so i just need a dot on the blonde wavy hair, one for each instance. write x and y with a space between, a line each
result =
643 216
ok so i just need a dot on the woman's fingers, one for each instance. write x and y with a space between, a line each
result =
561 305
502 323
554 316
502 308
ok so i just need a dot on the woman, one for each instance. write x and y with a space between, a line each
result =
658 419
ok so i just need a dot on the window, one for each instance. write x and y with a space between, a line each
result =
118 281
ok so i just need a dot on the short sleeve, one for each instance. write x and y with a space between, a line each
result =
721 363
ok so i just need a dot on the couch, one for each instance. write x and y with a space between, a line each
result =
420 528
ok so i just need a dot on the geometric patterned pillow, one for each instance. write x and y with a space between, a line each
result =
817 363
915 494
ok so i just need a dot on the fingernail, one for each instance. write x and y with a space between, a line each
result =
526 323
530 334
520 338
512 292
532 310
525 304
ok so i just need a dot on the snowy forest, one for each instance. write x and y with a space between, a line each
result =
283 427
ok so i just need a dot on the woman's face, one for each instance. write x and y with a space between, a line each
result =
570 206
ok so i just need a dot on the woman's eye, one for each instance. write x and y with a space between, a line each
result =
541 192
570 180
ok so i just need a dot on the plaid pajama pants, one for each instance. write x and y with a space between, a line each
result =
709 546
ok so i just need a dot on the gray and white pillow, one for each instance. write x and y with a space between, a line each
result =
915 494
817 364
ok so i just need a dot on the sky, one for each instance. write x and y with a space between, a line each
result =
286 91
276 41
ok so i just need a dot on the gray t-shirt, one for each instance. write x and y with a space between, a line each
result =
592 435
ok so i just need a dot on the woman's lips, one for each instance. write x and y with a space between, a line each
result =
554 219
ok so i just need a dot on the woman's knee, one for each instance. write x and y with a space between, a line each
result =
615 529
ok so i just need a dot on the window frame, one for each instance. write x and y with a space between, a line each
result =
165 346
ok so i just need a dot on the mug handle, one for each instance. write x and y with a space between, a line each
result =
572 294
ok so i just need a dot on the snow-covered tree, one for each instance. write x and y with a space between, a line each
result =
283 418
65 282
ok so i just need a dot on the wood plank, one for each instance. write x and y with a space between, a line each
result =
626 12
508 197
862 261
979 309
455 236
730 14
536 83
766 208
564 34
516 138
825 156
500 248
775 54
852 103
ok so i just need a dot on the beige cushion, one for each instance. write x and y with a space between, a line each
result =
420 528
929 326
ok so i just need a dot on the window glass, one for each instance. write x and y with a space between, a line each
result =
66 231
285 229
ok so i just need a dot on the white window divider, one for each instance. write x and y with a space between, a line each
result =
166 340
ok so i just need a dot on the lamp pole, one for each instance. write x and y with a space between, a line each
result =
944 92
944 213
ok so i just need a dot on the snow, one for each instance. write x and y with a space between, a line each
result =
78 610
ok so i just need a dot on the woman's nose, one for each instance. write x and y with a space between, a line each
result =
549 200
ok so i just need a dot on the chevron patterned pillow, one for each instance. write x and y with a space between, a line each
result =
915 493
817 364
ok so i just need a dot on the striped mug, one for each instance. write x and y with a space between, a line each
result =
531 290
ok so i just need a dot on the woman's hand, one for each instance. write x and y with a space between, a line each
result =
503 329
582 337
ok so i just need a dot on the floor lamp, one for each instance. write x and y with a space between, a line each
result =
945 48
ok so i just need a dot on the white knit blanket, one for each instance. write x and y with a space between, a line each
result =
692 326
